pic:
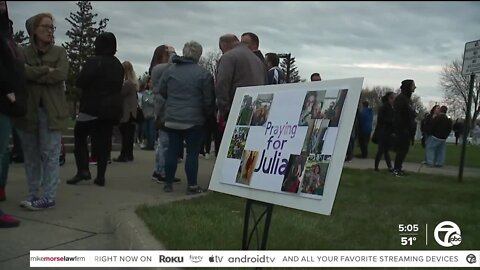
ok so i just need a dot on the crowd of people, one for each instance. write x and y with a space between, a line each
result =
396 128
181 104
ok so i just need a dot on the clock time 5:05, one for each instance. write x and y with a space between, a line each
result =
408 227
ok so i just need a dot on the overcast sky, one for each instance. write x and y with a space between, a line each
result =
385 42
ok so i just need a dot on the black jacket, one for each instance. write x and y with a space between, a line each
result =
101 81
441 126
385 122
404 116
458 127
259 54
426 125
12 80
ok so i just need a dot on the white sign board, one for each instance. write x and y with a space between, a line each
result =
286 144
471 58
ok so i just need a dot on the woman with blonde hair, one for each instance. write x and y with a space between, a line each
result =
127 123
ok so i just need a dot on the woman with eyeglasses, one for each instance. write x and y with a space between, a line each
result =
40 130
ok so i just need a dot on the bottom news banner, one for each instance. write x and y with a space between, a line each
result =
216 258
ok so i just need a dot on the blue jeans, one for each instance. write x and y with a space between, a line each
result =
5 130
149 129
194 139
435 151
160 152
41 151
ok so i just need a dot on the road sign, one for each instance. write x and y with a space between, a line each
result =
471 58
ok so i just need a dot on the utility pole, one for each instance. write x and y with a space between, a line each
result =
471 65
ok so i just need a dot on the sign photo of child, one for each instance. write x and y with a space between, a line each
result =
294 171
247 165
312 106
261 109
314 178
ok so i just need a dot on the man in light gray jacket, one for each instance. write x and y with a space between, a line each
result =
238 67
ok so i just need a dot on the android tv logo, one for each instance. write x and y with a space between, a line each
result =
448 234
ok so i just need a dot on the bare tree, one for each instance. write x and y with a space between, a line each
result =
418 106
455 87
210 61
456 109
374 96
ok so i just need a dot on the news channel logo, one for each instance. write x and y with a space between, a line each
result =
471 259
452 234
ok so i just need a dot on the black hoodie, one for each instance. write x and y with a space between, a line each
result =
101 81
404 114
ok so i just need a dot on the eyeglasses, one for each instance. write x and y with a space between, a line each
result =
48 27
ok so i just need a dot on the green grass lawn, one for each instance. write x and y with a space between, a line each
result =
368 208
417 154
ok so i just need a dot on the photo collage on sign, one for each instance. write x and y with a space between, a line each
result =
293 173
253 112
237 144
319 113
247 165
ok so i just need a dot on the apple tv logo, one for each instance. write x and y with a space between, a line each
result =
215 259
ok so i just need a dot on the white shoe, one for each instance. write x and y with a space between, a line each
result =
27 202
207 156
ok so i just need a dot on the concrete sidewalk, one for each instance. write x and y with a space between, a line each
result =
88 217
357 163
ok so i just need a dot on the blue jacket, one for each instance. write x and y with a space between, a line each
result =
189 92
366 121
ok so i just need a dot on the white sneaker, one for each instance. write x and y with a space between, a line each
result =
207 156
27 202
